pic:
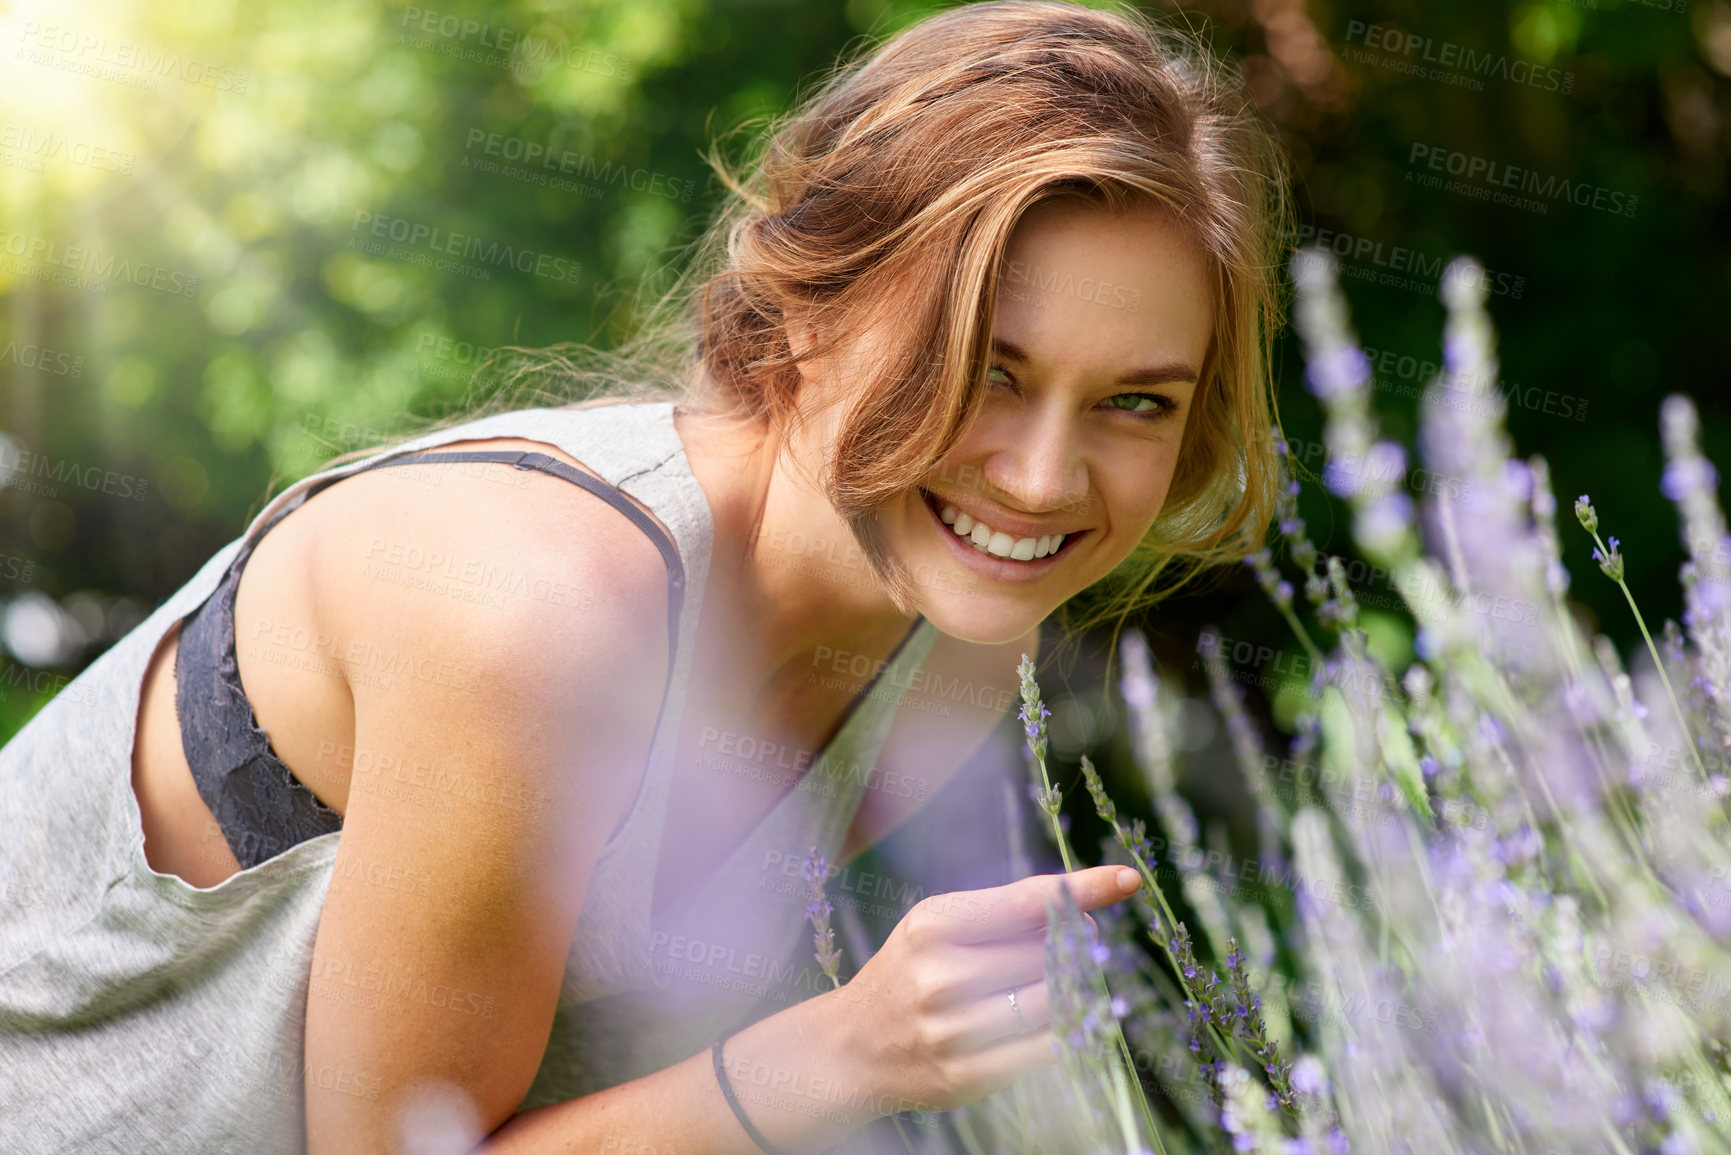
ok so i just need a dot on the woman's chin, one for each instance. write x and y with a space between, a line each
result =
970 606
980 620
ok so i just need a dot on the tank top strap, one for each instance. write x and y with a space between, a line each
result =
634 447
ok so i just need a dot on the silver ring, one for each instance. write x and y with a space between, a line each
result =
1021 1023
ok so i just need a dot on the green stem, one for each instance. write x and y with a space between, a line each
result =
1310 647
902 1133
1057 827
1099 979
1658 663
1160 941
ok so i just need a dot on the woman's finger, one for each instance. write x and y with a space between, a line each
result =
991 1018
1001 964
1002 1016
1015 1055
976 916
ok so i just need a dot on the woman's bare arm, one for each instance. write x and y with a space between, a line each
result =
490 764
923 1026
798 1076
496 746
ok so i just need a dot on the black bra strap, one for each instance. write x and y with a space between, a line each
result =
552 465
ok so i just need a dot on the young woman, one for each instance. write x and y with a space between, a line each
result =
472 795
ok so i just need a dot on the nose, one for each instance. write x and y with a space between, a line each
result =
1042 467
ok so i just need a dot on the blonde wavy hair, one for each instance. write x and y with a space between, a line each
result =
892 189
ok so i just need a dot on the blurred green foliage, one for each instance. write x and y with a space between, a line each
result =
259 323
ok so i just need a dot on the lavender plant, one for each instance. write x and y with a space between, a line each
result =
815 871
1521 934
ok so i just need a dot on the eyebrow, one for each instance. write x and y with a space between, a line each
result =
1158 375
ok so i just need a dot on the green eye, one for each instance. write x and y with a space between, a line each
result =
1002 378
1137 402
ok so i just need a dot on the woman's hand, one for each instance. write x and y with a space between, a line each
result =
933 1024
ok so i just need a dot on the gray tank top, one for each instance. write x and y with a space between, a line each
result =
139 1013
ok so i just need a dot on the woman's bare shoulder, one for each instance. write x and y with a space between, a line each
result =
414 580
464 556
481 533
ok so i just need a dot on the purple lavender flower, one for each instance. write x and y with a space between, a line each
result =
1033 715
1688 476
1610 563
1034 726
1082 1016
815 871
1308 1077
1341 369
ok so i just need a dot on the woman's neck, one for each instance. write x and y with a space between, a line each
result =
784 565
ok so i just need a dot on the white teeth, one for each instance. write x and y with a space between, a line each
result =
987 540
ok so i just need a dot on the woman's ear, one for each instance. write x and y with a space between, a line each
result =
793 318
796 320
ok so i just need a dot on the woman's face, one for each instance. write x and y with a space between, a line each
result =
1102 324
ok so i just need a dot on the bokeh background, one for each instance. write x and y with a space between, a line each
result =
195 310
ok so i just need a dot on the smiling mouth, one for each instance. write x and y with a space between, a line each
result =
994 544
